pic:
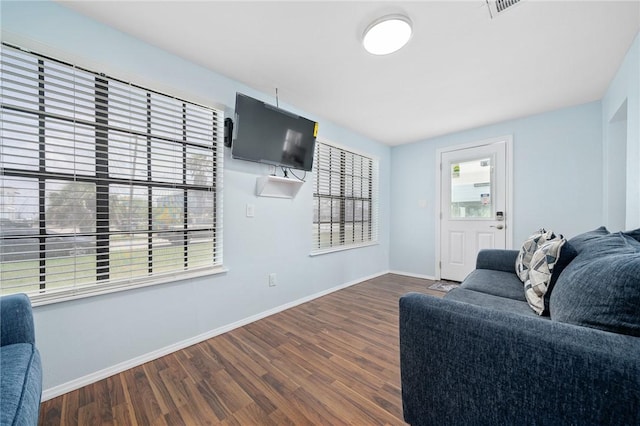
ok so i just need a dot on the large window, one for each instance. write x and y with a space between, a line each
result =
345 199
104 184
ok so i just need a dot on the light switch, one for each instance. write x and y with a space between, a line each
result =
422 204
251 210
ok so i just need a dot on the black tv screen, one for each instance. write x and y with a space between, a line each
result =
267 134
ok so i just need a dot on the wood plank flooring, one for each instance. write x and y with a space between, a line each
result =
331 361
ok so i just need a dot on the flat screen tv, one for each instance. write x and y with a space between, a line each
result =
267 134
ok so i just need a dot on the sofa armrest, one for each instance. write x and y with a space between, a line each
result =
497 259
466 364
16 320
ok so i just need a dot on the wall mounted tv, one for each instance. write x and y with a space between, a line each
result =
267 134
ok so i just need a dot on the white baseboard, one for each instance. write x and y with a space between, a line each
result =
134 362
409 274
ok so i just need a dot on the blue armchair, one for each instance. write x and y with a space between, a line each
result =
20 365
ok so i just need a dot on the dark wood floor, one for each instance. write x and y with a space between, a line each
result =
330 361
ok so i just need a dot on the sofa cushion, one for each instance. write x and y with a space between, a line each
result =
20 384
490 301
615 243
547 264
497 283
601 287
527 250
579 242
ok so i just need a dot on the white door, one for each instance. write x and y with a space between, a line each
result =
473 206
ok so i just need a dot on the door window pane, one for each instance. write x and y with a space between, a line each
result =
471 189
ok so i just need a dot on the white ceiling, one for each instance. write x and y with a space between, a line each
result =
460 70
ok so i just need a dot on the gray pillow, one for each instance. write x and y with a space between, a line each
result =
635 234
601 287
580 241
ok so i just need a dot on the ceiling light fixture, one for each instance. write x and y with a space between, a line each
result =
387 34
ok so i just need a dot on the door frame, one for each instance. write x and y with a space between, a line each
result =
508 221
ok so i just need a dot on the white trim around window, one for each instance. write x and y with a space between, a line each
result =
345 199
104 185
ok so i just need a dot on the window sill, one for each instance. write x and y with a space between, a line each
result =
64 295
342 248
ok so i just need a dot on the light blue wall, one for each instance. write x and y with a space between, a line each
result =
82 337
557 163
558 173
625 87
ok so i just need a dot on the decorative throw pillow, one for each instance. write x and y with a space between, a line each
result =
567 254
581 241
547 263
602 290
635 234
529 247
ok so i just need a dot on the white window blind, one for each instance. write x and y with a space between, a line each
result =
104 184
345 199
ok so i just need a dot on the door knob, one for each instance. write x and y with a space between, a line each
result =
500 226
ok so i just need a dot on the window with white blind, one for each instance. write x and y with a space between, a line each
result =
104 185
345 211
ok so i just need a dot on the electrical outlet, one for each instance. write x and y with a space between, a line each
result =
272 279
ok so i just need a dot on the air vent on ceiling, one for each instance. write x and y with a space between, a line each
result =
499 6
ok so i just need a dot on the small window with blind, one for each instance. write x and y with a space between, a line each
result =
104 185
345 199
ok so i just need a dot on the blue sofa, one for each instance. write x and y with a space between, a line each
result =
20 366
482 356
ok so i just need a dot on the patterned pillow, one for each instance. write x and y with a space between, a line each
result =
541 271
529 247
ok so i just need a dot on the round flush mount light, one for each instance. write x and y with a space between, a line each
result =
387 34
